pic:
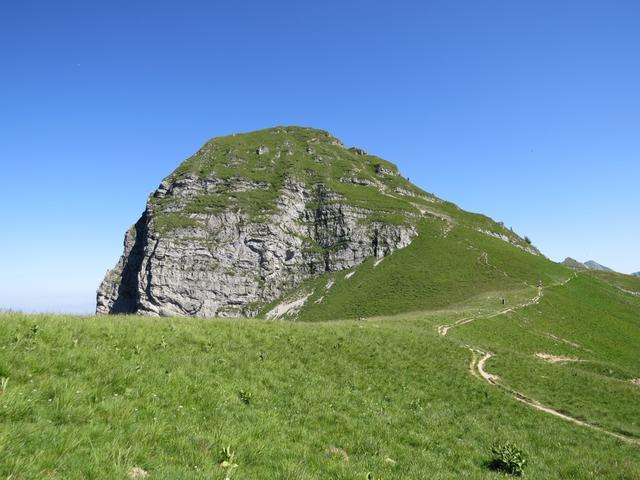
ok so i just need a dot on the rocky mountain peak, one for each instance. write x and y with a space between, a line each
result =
250 216
593 265
573 263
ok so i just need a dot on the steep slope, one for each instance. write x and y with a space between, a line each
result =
434 271
252 216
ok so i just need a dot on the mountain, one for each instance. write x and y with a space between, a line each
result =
253 216
592 265
589 265
573 263
636 274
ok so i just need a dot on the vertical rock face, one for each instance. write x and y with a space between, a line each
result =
200 249
228 265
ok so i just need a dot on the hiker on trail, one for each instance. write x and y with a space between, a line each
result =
503 301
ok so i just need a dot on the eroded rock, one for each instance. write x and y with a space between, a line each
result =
225 263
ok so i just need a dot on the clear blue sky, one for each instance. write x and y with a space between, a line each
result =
526 111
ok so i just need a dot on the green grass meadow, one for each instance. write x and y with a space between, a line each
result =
383 398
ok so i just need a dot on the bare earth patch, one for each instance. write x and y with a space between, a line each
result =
288 309
547 357
339 453
137 472
563 340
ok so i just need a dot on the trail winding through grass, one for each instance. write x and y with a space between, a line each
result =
444 329
477 367
479 359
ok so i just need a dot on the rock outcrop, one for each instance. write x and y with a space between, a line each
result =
222 261
252 216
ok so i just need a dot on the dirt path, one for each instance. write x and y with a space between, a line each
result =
477 367
444 329
479 359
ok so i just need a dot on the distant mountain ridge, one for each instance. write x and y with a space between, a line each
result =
573 263
590 265
593 265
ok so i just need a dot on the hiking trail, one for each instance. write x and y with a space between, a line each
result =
477 368
479 359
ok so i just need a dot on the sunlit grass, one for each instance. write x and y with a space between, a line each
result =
94 397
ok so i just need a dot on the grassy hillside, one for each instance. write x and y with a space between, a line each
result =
387 397
628 283
596 328
442 266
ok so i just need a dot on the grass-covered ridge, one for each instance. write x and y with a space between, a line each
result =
268 158
272 156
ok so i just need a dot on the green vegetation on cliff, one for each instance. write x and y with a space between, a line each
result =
268 158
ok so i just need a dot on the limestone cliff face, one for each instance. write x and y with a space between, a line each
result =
227 264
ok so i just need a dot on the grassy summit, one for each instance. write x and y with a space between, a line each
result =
313 157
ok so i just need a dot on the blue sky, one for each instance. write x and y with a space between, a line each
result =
526 111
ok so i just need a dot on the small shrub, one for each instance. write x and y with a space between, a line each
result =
245 397
227 461
527 239
507 458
